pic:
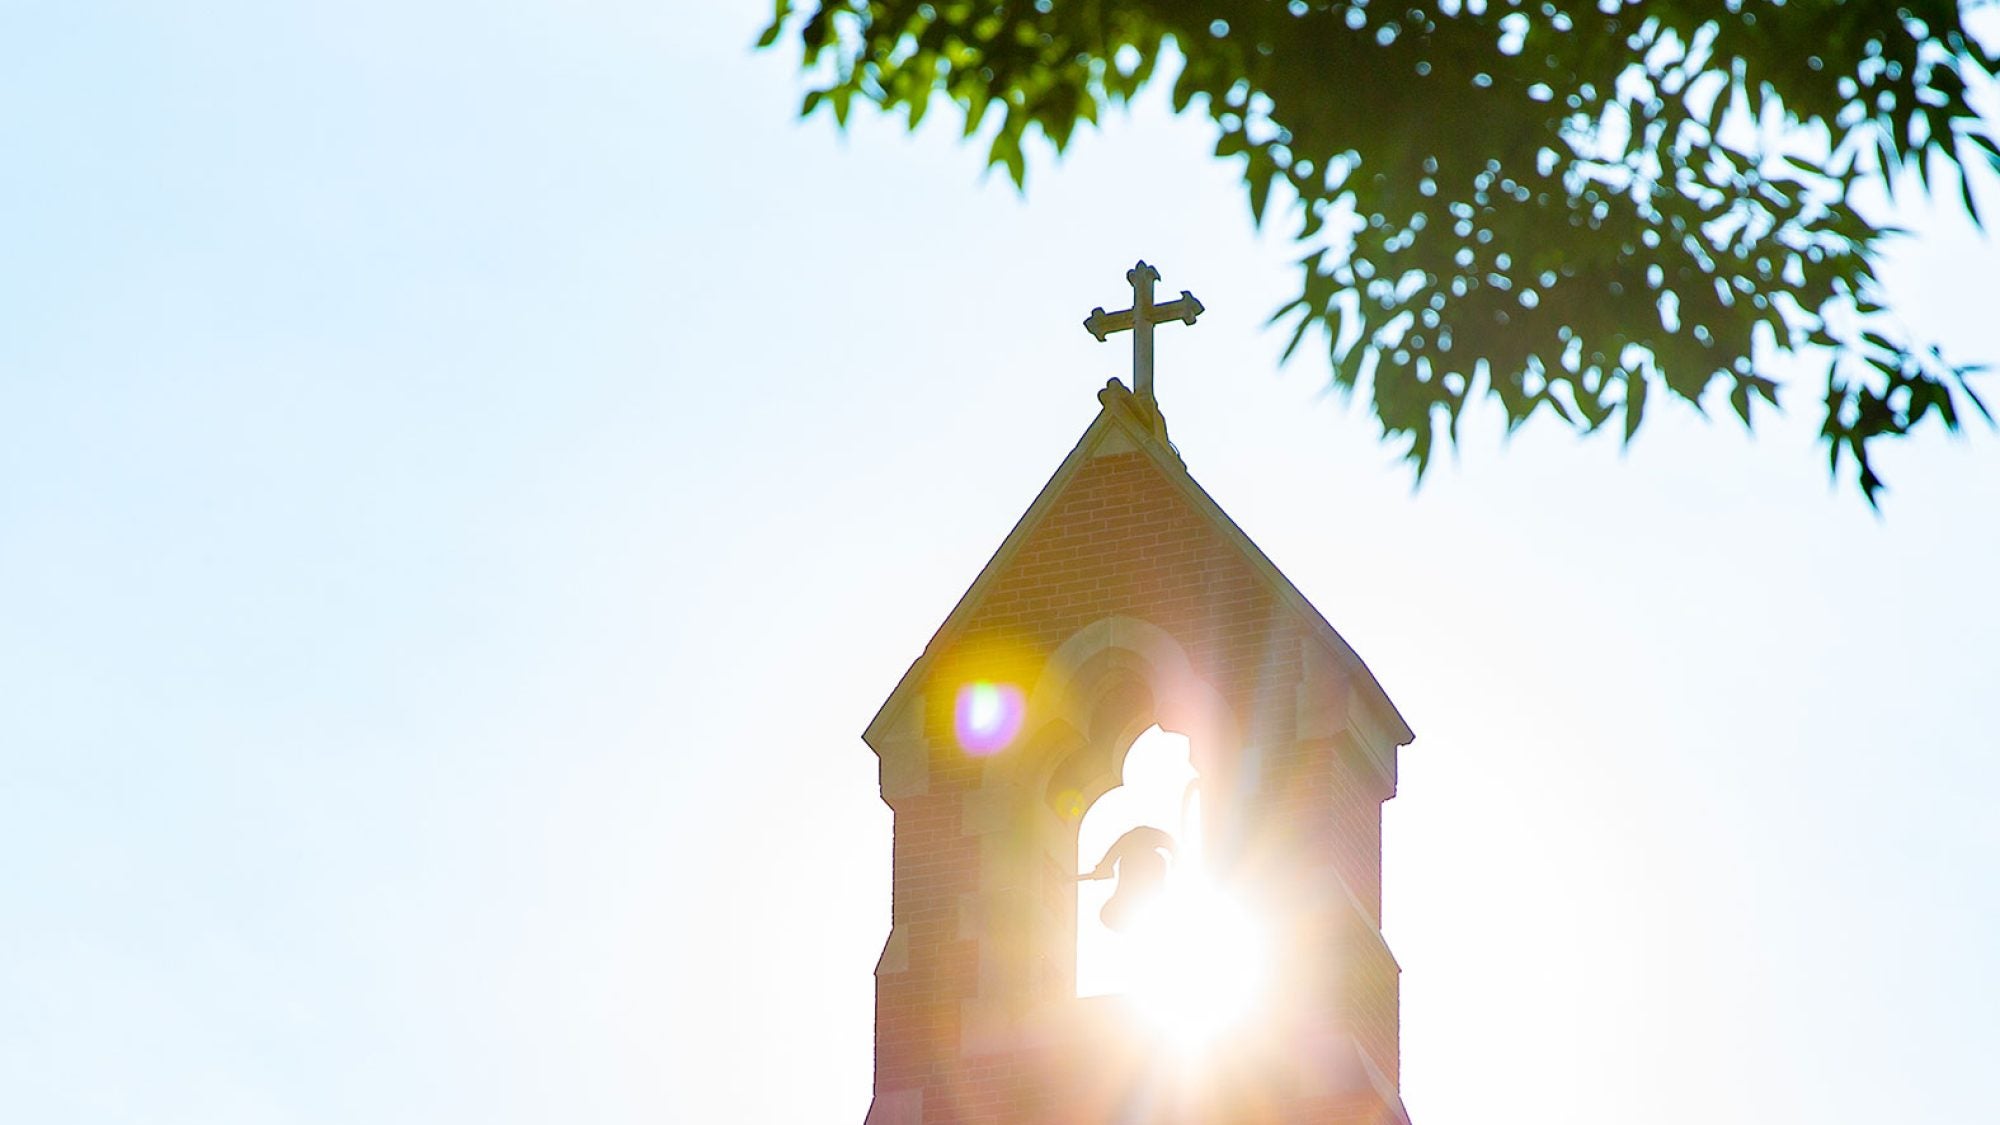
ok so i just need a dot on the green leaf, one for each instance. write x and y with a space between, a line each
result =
1298 333
1635 403
780 11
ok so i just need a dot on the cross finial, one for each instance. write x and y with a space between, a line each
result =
1140 318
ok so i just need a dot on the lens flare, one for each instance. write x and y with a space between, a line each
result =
988 716
1200 965
1068 803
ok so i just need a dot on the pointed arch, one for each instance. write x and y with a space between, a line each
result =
1111 680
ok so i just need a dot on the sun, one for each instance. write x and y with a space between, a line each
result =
1200 964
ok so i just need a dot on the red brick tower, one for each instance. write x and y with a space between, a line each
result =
1126 598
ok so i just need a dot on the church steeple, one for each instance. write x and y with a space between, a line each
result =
1125 599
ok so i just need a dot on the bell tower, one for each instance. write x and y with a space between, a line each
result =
1261 987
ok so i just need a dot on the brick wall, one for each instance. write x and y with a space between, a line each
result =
1121 539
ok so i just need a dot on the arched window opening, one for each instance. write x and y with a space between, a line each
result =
1153 818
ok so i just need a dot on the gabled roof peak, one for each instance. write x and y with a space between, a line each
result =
1139 417
1129 423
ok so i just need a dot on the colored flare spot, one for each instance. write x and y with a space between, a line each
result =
1068 803
988 716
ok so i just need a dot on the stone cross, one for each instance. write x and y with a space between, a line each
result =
1140 318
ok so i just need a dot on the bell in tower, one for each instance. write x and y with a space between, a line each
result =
1125 612
1138 861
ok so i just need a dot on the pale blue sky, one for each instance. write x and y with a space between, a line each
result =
468 472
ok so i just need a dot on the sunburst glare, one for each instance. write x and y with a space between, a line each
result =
1200 963
1189 958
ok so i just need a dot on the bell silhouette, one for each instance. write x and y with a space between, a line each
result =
1139 860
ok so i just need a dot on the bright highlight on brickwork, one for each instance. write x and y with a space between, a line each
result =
988 716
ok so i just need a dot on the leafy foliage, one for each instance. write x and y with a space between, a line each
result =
1566 205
